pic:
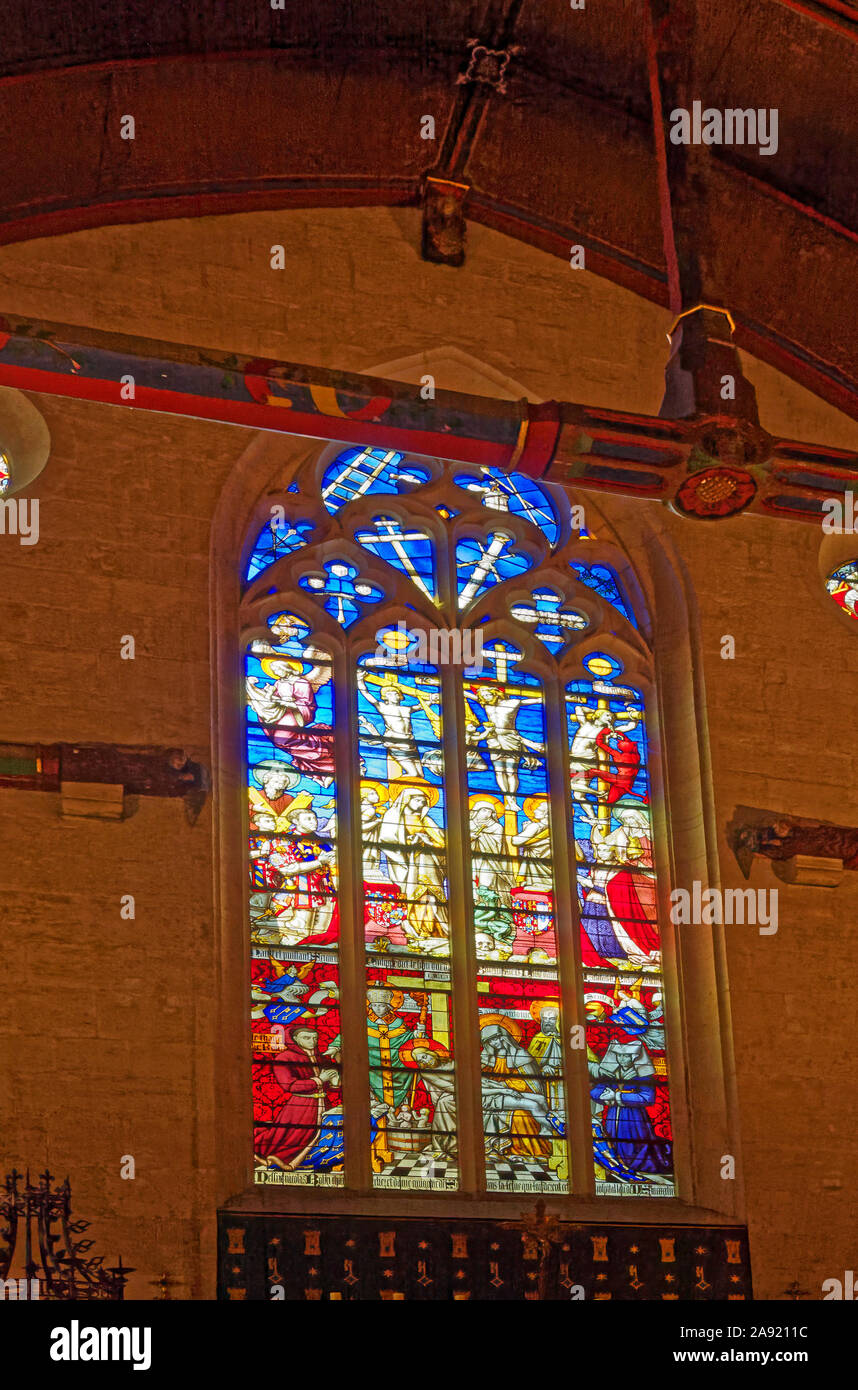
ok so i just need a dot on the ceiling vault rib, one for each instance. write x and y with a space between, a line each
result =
446 187
674 290
670 34
768 186
832 13
704 379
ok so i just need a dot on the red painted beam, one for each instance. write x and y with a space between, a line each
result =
574 444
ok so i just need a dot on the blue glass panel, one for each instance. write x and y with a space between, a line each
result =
289 634
342 591
275 539
515 493
480 564
359 472
550 622
407 548
605 583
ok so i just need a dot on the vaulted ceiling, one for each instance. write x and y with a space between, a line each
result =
246 106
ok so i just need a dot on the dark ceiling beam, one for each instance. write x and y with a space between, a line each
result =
671 40
832 13
771 187
604 258
703 355
474 95
659 90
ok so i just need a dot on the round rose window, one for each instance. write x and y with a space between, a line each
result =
842 584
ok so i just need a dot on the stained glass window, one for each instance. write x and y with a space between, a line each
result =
482 563
406 920
365 472
514 493
842 584
452 867
521 1050
5 474
408 548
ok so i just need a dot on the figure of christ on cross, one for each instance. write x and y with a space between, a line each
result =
397 732
496 709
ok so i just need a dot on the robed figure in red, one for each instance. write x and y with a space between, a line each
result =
298 1121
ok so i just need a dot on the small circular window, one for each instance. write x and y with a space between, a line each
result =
842 584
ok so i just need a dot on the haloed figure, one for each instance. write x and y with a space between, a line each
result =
412 842
515 1110
290 1141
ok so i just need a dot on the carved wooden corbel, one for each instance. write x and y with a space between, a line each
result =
802 850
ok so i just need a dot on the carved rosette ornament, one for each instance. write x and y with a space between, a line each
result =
488 65
713 493
706 386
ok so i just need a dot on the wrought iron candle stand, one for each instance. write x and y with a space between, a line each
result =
55 1254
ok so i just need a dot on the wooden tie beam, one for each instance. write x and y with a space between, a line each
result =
705 464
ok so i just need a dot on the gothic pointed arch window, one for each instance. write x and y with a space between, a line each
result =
456 956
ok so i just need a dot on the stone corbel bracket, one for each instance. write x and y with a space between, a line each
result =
103 781
801 850
444 225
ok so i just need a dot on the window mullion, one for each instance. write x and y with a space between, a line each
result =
462 945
